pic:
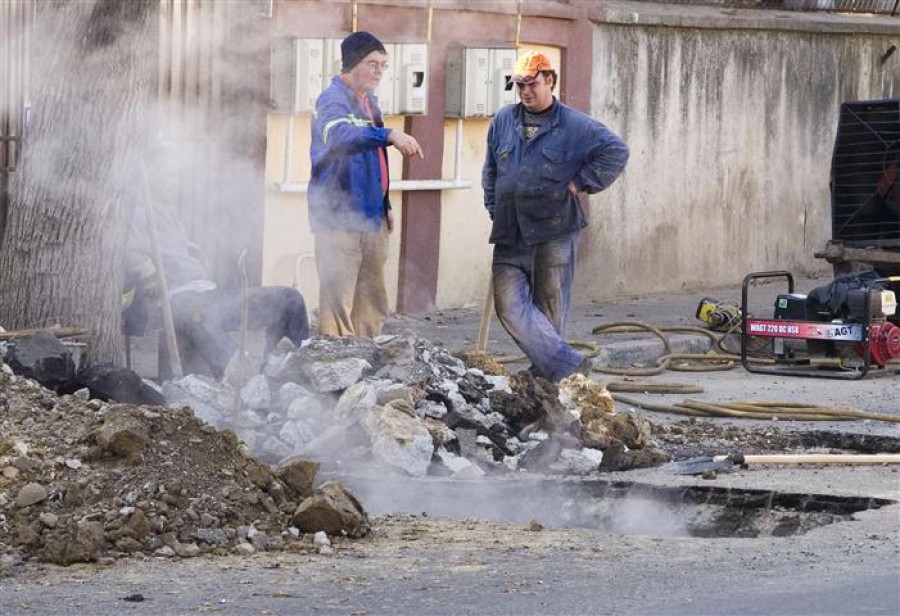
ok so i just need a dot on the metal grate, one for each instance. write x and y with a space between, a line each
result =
865 173
888 7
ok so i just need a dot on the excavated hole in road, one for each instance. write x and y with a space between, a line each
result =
618 507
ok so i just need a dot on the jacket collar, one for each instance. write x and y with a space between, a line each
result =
520 118
351 96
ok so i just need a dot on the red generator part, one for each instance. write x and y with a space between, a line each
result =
884 343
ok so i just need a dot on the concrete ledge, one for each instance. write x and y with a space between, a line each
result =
628 353
630 12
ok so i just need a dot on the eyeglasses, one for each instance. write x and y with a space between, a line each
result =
374 65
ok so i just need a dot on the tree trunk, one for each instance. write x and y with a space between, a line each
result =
62 254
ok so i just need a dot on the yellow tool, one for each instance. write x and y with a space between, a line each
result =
718 315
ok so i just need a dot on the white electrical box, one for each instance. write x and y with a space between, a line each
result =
478 80
404 86
303 67
297 74
386 91
332 59
501 92
411 78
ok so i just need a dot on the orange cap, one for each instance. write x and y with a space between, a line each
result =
529 65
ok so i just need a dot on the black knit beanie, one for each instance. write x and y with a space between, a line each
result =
356 47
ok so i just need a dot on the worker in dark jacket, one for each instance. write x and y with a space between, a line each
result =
541 155
349 210
203 312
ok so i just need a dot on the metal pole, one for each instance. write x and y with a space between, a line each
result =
168 320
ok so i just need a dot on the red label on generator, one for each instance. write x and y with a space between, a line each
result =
804 330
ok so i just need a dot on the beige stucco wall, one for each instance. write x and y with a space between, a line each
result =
730 116
465 256
731 132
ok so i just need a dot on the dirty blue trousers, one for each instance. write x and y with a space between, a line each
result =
532 290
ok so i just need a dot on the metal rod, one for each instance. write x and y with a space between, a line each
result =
168 319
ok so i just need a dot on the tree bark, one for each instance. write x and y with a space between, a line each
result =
69 206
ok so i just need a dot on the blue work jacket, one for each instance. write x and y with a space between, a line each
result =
345 184
526 183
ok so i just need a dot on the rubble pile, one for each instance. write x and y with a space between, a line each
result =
226 469
401 403
84 480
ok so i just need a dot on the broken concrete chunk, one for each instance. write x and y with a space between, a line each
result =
590 398
459 467
296 434
210 536
616 458
442 435
333 509
30 494
79 543
44 358
387 391
255 394
399 438
431 408
210 400
633 432
398 350
577 461
287 394
356 402
122 433
483 362
334 375
299 475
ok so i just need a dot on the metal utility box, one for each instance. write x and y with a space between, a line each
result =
303 67
478 82
404 86
298 75
865 196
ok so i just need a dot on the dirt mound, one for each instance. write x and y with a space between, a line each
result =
82 479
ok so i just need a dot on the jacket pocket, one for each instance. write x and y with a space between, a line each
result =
557 165
504 156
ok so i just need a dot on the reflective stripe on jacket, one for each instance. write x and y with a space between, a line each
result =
526 183
345 185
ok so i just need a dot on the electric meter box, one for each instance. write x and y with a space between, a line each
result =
478 80
404 85
297 73
303 67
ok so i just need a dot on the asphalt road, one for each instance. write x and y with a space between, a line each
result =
489 569
426 566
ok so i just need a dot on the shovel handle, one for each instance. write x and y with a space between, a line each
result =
487 309
872 459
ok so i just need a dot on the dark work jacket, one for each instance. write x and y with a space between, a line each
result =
345 184
526 183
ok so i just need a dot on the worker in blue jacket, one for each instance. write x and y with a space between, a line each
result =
541 154
349 210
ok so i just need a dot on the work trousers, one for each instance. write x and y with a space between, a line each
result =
532 290
352 297
206 319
